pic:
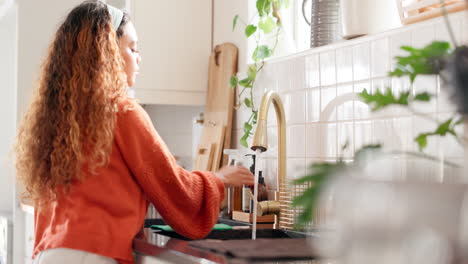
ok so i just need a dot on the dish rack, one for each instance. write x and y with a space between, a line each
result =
412 11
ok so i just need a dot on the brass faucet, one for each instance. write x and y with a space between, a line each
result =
260 140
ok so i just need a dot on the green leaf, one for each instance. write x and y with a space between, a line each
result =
245 82
267 25
427 60
379 100
423 97
408 48
252 72
261 7
319 170
447 127
261 52
249 30
233 82
403 99
310 197
305 217
421 139
243 140
247 128
306 197
444 128
247 102
255 116
234 22
436 49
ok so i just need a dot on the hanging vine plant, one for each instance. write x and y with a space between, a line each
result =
269 23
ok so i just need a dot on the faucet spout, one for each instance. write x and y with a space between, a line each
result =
260 139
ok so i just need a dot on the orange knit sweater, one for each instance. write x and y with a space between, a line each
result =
103 213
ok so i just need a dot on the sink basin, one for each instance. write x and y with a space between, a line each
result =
239 231
240 234
157 221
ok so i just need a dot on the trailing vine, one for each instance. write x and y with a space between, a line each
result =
269 22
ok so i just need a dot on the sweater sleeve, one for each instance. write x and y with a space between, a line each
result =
188 201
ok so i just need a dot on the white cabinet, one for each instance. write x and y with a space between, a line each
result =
175 45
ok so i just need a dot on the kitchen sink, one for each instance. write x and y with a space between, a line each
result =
239 234
239 231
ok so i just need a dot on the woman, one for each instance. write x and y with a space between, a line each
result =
89 157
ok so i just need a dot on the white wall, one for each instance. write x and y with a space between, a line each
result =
174 125
37 23
8 33
224 12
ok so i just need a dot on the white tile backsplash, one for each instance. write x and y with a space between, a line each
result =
328 104
380 55
319 90
295 168
361 61
384 132
270 172
345 107
313 142
345 139
295 141
423 35
327 68
404 136
312 105
396 42
283 74
321 140
426 84
344 65
441 31
312 71
362 133
299 74
295 107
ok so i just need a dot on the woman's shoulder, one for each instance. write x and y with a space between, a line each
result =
130 111
126 104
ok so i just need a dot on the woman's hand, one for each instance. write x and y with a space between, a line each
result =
235 176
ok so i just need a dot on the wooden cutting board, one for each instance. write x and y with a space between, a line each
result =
204 157
220 96
210 147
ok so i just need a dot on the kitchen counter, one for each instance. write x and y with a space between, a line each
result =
152 247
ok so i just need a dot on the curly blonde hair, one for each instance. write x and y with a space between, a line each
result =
70 124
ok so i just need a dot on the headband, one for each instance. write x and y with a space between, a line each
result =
116 16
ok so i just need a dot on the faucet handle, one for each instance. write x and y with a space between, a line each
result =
268 207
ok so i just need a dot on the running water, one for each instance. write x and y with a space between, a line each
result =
257 169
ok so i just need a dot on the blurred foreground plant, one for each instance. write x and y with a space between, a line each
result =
433 59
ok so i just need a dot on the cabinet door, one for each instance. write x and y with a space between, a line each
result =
175 45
